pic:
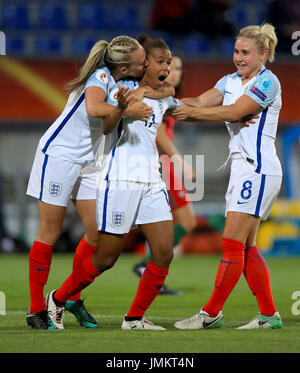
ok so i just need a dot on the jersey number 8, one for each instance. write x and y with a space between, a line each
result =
246 191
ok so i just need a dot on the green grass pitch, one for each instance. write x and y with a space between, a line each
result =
110 297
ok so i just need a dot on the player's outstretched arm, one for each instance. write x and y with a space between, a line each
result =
212 97
230 113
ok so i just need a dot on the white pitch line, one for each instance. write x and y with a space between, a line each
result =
110 316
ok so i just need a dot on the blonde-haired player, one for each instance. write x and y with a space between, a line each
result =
65 150
255 177
131 192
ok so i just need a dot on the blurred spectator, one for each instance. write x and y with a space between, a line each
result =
210 18
285 17
186 16
171 15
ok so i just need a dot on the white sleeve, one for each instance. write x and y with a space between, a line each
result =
220 85
264 90
98 79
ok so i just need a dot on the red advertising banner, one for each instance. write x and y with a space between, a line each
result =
33 90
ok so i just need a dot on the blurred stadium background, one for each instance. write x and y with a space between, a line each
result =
46 42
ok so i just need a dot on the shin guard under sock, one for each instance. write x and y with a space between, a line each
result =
39 266
82 276
257 274
150 284
83 250
229 272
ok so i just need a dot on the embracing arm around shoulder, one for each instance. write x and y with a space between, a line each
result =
165 90
95 102
97 107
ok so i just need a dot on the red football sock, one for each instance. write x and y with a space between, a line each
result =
150 284
229 272
82 251
257 274
39 265
82 276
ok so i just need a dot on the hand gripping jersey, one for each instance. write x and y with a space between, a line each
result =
75 136
256 142
135 156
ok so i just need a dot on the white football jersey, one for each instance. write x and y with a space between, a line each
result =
256 142
135 156
75 136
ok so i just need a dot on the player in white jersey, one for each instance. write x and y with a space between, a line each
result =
67 149
131 193
183 213
255 177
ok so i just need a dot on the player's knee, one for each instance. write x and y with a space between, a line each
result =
105 264
49 233
92 238
164 255
169 256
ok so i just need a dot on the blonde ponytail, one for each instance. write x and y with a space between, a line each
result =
116 52
265 38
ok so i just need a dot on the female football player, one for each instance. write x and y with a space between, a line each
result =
66 149
255 177
182 209
131 192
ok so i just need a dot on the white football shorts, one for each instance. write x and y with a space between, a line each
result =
250 192
121 205
55 181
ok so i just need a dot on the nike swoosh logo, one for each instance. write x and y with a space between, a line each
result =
262 322
241 203
226 261
207 324
42 269
228 92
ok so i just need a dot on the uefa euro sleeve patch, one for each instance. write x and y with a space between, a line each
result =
264 84
102 76
258 93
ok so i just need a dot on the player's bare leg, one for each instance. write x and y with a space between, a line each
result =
86 210
160 238
51 222
185 222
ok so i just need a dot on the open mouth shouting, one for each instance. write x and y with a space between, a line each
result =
162 78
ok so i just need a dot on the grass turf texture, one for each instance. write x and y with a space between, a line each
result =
109 298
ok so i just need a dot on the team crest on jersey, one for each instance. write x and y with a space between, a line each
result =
55 189
118 218
101 75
